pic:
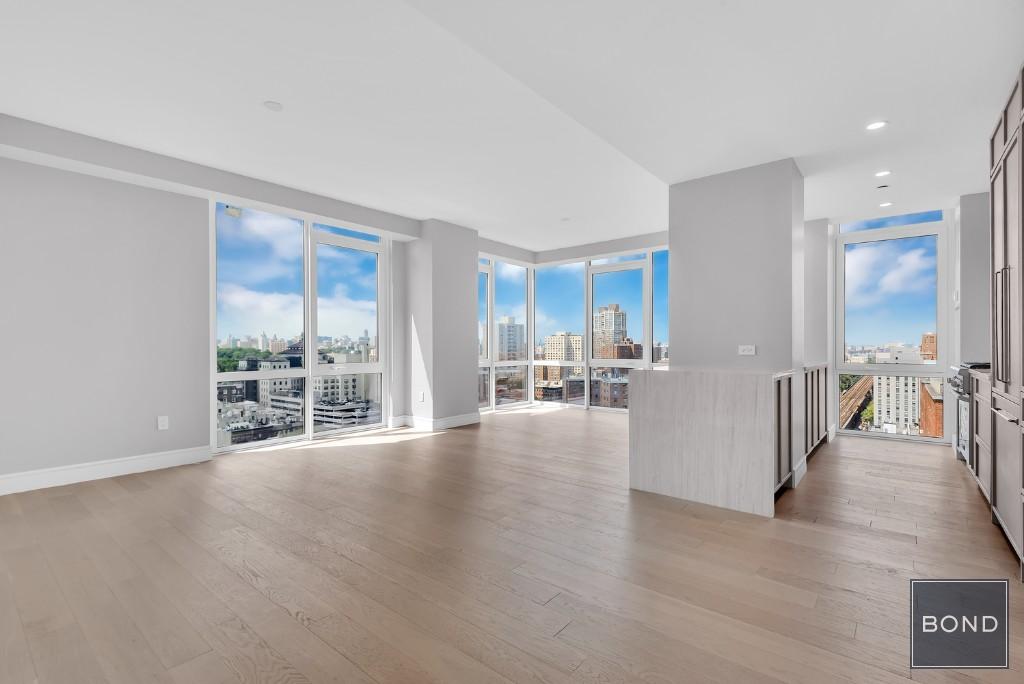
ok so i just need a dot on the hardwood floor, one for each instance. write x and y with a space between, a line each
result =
509 551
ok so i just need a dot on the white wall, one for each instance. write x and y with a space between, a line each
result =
442 301
731 272
105 318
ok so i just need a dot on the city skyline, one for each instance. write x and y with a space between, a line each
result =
260 279
560 294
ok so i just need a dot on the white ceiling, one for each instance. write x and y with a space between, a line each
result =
690 88
509 116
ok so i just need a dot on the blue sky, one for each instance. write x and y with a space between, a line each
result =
260 279
891 290
260 285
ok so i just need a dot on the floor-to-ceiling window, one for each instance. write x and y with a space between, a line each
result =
891 335
510 347
560 330
619 326
570 332
483 286
659 319
282 280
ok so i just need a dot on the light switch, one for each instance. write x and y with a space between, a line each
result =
747 350
163 423
422 396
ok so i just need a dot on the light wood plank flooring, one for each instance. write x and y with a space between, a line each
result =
509 551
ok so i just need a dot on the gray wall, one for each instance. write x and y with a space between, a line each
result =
400 354
105 316
442 301
975 275
731 272
816 289
592 249
106 158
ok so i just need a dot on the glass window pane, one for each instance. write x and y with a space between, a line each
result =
618 259
618 315
563 384
346 305
260 290
510 311
891 290
559 306
891 221
659 352
350 400
346 232
484 387
891 404
609 387
257 410
481 306
509 385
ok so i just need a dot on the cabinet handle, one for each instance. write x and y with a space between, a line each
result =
1007 371
997 338
1006 416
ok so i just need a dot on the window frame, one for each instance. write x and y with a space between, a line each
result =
485 361
557 363
942 296
311 237
314 239
495 364
646 308
943 318
645 264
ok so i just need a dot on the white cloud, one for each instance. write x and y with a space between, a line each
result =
272 247
914 272
241 311
576 269
339 315
282 234
879 271
511 272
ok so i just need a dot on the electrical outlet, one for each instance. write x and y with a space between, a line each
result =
163 423
747 350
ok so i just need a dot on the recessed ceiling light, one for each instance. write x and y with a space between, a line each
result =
566 219
273 105
882 174
885 204
875 125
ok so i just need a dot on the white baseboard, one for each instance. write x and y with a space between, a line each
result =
399 421
831 432
798 472
435 424
97 470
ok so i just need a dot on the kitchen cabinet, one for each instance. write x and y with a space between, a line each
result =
981 421
1009 449
1005 477
1006 272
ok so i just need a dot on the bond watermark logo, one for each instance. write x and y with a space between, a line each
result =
959 624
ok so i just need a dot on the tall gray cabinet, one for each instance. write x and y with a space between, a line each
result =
1007 398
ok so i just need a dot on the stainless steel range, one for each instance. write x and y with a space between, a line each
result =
960 383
